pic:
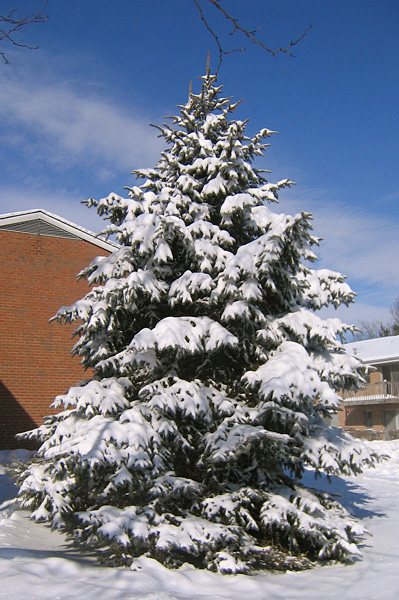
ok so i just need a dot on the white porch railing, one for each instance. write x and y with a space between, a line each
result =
375 391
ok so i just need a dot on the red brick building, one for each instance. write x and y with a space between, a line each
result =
41 255
373 412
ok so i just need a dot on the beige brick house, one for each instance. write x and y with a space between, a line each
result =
373 412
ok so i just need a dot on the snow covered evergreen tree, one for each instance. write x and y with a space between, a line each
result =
212 371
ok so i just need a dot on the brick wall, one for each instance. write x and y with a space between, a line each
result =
353 419
38 275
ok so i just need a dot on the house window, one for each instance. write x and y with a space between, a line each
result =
391 419
390 372
368 419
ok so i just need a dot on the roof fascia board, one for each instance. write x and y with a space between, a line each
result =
381 361
60 222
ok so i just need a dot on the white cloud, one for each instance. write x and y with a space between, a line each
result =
14 199
362 245
357 312
60 123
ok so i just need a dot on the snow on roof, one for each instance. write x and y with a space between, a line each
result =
378 350
28 221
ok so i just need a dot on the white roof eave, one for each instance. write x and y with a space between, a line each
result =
375 351
64 224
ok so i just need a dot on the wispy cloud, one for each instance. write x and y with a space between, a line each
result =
69 124
361 244
59 202
356 313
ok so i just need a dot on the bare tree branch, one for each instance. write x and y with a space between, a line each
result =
379 328
249 34
12 23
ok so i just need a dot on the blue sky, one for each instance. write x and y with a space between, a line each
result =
75 113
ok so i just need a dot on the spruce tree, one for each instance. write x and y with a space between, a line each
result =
213 372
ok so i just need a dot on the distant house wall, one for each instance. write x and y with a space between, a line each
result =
376 376
373 412
38 276
368 417
357 417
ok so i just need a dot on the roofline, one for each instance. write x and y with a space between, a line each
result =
381 361
52 219
377 358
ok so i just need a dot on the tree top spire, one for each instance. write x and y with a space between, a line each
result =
208 63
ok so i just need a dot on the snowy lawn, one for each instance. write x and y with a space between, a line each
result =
36 563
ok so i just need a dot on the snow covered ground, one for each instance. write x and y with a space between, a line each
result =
36 563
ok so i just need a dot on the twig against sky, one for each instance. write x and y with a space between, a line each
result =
12 23
248 33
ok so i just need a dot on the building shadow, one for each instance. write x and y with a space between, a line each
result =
13 419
